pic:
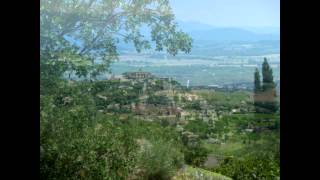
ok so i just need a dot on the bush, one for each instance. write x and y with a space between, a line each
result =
160 160
77 142
108 149
195 105
158 100
92 154
196 155
260 166
198 127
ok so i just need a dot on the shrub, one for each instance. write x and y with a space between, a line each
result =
195 105
77 142
160 160
198 127
250 167
158 100
196 155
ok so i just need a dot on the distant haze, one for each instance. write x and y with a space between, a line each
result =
231 38
192 26
230 13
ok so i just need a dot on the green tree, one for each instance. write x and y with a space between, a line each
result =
265 101
257 90
267 76
81 37
158 100
257 81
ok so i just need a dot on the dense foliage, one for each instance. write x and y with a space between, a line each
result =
77 142
195 156
198 127
193 105
250 167
78 39
158 100
258 156
81 37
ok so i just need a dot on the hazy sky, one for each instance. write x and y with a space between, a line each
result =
236 13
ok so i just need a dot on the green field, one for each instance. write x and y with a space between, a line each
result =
197 74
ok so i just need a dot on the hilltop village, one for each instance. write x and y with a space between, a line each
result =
163 100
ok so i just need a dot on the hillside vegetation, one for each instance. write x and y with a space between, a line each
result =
139 126
86 133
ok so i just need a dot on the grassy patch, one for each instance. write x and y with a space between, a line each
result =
227 149
226 100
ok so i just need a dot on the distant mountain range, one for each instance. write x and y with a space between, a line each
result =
198 26
200 31
231 34
212 40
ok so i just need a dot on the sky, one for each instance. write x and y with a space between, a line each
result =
229 13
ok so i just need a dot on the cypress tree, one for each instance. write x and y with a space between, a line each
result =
257 90
268 88
257 83
267 76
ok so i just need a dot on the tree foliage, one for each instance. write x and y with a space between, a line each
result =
78 142
80 37
257 81
158 100
254 167
267 76
265 96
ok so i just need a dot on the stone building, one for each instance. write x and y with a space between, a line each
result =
138 75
